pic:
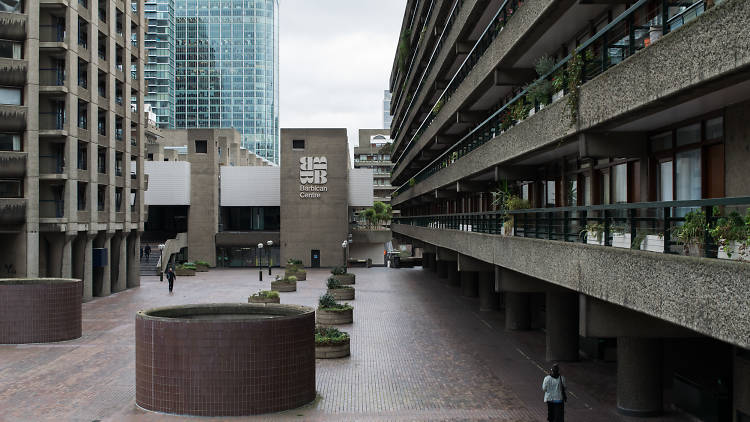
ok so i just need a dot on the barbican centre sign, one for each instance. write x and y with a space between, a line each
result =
313 175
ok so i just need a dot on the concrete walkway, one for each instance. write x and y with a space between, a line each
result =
419 352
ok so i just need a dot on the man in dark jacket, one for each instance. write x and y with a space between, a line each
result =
171 277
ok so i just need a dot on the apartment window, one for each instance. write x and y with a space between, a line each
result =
10 142
118 199
620 183
83 155
83 33
81 196
10 188
102 160
118 164
201 147
132 199
150 157
298 144
10 96
83 75
83 119
101 197
11 49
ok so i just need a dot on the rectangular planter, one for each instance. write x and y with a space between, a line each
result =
621 241
255 299
345 279
653 243
284 286
734 251
300 274
201 268
184 272
591 239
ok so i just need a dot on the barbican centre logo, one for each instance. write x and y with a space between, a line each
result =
313 175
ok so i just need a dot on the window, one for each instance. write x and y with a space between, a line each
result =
10 188
201 147
81 196
620 183
10 142
101 197
82 156
298 144
118 199
10 96
665 185
688 174
11 49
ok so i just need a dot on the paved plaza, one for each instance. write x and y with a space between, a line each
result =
419 352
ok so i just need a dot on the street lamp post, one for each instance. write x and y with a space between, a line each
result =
260 251
343 249
270 244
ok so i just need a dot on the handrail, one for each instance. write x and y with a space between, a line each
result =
422 174
435 51
502 10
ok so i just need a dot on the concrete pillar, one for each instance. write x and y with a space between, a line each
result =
639 375
433 263
454 277
107 269
88 269
442 269
55 254
66 265
120 283
517 316
741 377
488 299
134 267
469 284
426 261
562 326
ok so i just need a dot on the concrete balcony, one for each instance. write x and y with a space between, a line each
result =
12 164
12 118
13 72
12 210
12 26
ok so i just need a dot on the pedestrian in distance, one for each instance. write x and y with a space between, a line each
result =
148 251
554 395
171 277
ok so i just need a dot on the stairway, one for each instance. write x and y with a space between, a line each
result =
148 267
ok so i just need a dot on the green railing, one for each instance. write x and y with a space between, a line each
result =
624 36
490 33
652 226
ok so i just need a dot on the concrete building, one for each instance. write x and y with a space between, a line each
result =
373 152
210 199
71 104
552 158
387 117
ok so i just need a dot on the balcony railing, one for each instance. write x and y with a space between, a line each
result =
652 226
51 208
51 33
51 164
51 120
620 39
51 77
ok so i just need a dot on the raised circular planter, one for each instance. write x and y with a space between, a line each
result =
346 279
324 317
282 286
40 310
228 359
300 274
342 294
255 299
333 351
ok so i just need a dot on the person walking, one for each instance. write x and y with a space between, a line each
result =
171 277
148 251
554 395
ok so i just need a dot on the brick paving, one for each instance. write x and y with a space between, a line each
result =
419 352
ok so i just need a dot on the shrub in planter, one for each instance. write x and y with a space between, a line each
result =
330 312
692 233
294 268
287 284
732 233
186 269
265 296
340 274
201 266
331 343
339 291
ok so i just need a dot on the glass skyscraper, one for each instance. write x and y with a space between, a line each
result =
160 65
225 68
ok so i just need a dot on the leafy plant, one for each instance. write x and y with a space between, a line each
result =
325 336
520 110
412 182
693 231
267 294
293 261
333 283
326 302
730 229
338 270
187 266
575 78
596 228
291 279
404 48
558 80
506 120
541 91
437 107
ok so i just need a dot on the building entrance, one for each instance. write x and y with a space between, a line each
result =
315 258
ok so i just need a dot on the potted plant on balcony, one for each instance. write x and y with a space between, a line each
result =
541 91
201 266
340 274
331 343
294 268
330 312
594 233
265 296
732 234
652 243
620 236
185 269
286 284
692 233
558 85
338 290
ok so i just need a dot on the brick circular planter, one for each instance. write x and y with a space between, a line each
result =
345 279
228 359
334 317
332 351
41 310
300 274
284 286
342 294
256 299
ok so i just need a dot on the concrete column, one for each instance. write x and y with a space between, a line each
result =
66 266
433 263
122 262
55 254
88 269
517 316
639 374
454 277
442 269
134 267
488 299
427 260
562 326
107 269
469 284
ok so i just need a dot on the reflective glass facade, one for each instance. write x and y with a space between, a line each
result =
387 118
227 60
160 65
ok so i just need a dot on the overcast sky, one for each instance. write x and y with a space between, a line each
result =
335 61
